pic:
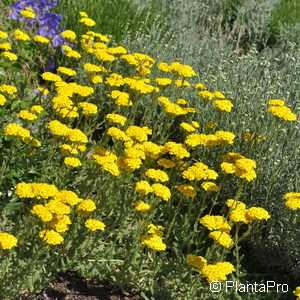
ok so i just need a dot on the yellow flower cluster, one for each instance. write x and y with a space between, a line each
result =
210 186
55 213
173 108
212 272
41 39
219 138
7 241
72 162
199 171
35 190
215 223
68 34
28 12
94 225
296 292
242 167
222 238
157 175
292 200
158 189
240 213
86 20
153 238
187 190
26 115
20 35
279 110
142 206
178 68
8 89
189 127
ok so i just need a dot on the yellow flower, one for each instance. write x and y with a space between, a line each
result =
222 238
225 105
11 56
94 225
292 200
86 207
87 21
3 34
187 127
2 100
118 134
88 109
14 129
48 76
276 102
95 78
28 13
199 171
282 112
177 149
26 115
67 197
143 187
66 71
161 191
115 118
200 86
226 137
142 206
94 68
187 190
68 34
166 163
215 223
179 82
197 262
219 95
35 190
9 89
163 81
217 271
72 162
37 109
206 95
51 237
296 292
41 39
154 242
210 186
42 212
20 35
157 175
256 214
121 98
7 241
58 128
83 14
138 133
5 46
60 223
57 207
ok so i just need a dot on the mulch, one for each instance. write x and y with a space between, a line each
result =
71 286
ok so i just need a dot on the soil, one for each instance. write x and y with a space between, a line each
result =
70 286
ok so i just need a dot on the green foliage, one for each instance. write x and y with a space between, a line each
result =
113 17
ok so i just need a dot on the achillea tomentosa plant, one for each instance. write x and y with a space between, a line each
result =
110 142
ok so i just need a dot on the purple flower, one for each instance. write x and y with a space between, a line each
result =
50 65
49 24
57 40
